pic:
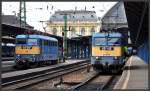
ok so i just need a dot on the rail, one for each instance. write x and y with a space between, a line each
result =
25 82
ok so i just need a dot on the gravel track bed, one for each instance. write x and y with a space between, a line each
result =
72 78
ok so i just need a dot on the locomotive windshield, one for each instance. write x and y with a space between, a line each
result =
27 41
100 41
21 41
32 41
107 41
113 41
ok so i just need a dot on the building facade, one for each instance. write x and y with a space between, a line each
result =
79 23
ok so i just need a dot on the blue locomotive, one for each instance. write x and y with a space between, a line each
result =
34 50
108 51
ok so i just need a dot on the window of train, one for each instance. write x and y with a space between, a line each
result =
100 41
54 43
32 41
114 41
45 42
50 43
41 42
21 41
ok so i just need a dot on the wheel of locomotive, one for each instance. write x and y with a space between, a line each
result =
48 62
19 66
120 72
40 63
98 69
43 63
33 64
114 69
55 61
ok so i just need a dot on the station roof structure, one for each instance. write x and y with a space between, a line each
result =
13 20
132 16
137 17
74 15
115 17
11 28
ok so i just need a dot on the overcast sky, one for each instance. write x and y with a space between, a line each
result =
41 11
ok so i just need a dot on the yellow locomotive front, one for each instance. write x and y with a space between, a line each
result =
107 51
26 50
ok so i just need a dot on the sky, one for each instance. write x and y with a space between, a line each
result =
41 11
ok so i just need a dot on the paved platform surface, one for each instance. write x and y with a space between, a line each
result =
135 75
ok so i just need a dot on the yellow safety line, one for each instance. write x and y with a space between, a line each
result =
128 76
121 78
115 87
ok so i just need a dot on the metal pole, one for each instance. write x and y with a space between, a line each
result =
65 38
22 14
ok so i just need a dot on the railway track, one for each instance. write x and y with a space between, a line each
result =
7 58
7 66
8 69
91 84
42 76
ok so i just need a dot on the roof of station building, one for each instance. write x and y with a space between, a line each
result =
13 21
75 15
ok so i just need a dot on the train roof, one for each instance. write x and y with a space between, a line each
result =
113 34
37 36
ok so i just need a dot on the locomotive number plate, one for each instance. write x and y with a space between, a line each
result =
26 47
106 54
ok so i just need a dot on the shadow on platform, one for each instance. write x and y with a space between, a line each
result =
135 67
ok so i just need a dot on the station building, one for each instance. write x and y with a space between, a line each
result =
80 23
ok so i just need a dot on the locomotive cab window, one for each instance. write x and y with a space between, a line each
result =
51 43
21 41
32 41
114 41
40 42
100 41
46 42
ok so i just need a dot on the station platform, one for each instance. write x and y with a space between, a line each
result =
134 76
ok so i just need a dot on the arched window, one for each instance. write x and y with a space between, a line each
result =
92 30
54 31
83 31
73 31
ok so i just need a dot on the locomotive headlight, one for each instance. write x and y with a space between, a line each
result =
33 55
18 56
116 58
96 57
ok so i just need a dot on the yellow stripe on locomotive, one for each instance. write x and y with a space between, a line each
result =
27 50
99 51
